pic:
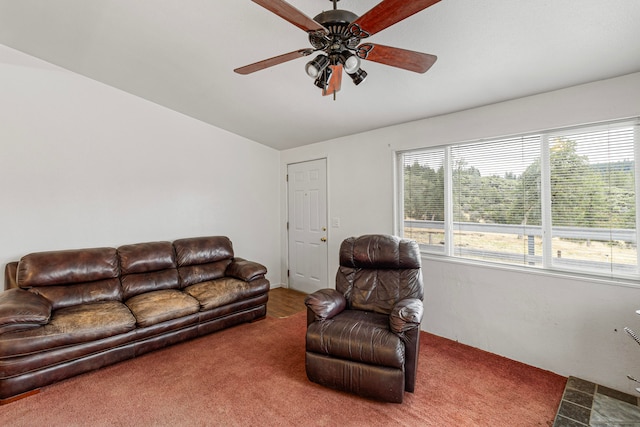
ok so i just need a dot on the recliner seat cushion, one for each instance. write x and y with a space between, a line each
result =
158 306
219 292
358 336
70 325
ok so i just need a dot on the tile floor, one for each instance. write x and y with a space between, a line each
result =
588 404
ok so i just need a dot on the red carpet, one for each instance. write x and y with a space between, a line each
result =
253 375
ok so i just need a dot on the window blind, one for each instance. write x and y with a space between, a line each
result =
496 200
593 206
562 200
424 199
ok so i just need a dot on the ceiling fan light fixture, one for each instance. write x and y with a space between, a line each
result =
337 34
315 67
351 63
358 77
323 80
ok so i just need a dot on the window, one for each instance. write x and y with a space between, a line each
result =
561 200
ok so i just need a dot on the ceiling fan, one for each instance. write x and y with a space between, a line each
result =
337 34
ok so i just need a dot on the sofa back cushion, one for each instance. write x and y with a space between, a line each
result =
202 258
71 277
377 271
147 267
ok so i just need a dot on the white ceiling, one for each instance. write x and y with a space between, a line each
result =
181 54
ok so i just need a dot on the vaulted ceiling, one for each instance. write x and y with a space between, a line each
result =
181 54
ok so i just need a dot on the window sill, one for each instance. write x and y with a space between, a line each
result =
602 280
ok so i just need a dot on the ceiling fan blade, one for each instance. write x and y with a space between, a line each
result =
291 14
389 12
261 65
335 82
417 62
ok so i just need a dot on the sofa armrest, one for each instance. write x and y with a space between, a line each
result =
20 309
406 315
245 270
325 303
10 272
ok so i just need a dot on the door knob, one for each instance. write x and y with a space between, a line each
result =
323 239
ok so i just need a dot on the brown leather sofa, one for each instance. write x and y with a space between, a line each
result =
363 337
73 311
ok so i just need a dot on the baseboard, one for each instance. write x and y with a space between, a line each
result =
19 396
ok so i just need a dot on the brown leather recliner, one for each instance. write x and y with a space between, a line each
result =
363 336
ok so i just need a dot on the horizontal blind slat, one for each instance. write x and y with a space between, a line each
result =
496 199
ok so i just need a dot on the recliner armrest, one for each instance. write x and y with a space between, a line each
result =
406 315
325 303
20 309
245 270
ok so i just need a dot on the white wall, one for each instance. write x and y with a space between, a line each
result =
83 164
570 326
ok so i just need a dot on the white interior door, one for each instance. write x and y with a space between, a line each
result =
307 198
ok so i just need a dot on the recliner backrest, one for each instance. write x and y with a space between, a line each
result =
376 271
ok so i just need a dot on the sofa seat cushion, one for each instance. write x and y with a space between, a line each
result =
359 336
70 325
158 306
227 290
